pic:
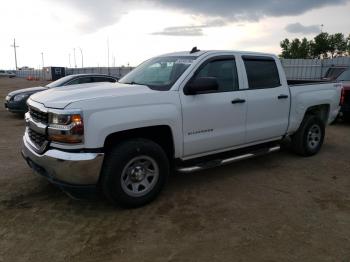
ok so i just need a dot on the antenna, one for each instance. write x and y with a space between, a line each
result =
194 50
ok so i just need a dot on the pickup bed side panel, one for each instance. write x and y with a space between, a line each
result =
116 115
306 96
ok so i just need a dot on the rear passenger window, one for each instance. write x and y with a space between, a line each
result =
224 71
261 72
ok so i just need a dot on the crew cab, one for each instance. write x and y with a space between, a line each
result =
184 111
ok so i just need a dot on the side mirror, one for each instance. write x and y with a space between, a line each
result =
201 85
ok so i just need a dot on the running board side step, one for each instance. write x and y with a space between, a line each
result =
226 161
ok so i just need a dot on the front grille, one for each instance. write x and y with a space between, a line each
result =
39 116
36 138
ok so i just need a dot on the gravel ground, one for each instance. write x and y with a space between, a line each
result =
279 207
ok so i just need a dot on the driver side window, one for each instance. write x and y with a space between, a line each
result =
225 72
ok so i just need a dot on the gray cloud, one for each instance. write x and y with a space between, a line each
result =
191 30
107 12
248 9
181 31
299 28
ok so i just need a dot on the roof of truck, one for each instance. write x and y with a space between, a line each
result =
202 52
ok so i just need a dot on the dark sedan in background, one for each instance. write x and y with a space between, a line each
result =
16 101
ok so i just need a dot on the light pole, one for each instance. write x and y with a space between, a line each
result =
75 61
69 60
108 54
82 58
42 58
14 48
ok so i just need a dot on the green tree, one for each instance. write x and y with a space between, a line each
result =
295 48
320 46
337 44
285 45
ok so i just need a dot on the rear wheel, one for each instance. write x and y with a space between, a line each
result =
134 172
308 140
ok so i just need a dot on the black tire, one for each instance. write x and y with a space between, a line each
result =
115 187
302 142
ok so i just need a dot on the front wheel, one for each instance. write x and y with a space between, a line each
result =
134 172
308 140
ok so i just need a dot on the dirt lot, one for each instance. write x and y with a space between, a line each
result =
279 207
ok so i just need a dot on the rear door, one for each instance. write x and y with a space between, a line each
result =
268 99
214 120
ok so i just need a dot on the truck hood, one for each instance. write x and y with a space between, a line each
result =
61 97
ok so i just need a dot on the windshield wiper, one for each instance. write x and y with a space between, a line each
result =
134 83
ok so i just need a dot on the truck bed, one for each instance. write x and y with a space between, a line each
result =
313 94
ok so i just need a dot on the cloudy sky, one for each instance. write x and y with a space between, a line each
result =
137 30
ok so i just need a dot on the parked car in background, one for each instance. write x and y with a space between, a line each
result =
187 110
9 74
344 78
16 101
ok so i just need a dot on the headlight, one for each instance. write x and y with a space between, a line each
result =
20 97
66 128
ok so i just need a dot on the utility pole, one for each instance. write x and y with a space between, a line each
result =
69 60
113 61
82 58
14 48
42 58
108 53
75 61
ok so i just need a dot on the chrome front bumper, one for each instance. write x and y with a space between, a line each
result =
64 167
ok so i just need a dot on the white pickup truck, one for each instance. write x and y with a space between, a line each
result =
185 111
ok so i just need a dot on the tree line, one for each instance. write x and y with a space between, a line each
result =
323 45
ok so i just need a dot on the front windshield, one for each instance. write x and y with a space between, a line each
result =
59 82
159 73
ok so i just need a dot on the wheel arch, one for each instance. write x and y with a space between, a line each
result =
322 111
160 134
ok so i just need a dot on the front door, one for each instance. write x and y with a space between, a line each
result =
216 120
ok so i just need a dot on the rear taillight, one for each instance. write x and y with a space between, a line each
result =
342 97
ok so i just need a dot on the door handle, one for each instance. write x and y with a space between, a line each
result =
238 101
283 96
